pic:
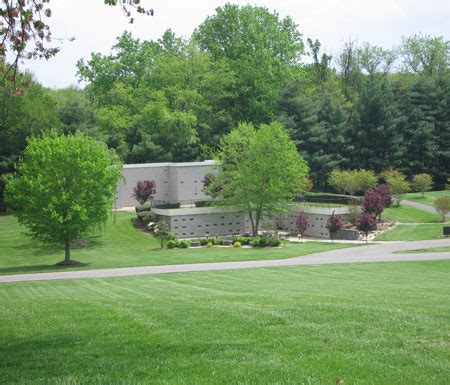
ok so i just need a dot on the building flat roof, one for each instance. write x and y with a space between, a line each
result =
171 164
196 210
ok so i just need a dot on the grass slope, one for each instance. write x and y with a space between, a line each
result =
413 232
405 214
383 323
120 244
428 198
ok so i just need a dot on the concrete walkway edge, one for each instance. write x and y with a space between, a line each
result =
364 254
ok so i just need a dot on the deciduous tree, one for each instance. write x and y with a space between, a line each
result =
334 224
262 169
64 187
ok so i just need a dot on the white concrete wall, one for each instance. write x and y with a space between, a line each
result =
175 182
203 221
317 220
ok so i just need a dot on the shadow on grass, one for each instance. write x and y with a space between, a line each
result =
37 248
40 268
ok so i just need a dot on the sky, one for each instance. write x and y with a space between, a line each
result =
96 26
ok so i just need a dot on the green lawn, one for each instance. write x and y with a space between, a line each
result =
443 249
405 214
120 244
428 198
412 232
384 323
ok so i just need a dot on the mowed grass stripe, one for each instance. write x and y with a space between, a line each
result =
413 232
371 323
406 214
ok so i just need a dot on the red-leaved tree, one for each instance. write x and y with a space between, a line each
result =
385 193
334 224
144 191
302 223
367 222
373 202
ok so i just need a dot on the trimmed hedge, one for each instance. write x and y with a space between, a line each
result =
144 207
202 203
325 198
168 206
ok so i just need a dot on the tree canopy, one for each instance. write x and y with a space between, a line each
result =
64 187
261 170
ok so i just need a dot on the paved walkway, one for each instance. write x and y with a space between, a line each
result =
420 206
373 253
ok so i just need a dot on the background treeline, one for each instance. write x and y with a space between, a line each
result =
173 99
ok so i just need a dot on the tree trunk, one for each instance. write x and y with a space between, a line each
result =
67 253
252 222
257 218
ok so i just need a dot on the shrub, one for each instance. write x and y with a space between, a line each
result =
209 244
145 217
373 202
237 244
385 193
144 190
183 244
168 206
353 211
204 242
172 244
144 207
325 198
243 240
265 242
352 181
422 182
442 206
273 242
202 203
367 222
397 184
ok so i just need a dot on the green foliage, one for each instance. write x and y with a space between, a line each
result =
375 137
422 182
442 205
237 244
265 242
352 181
259 47
142 208
397 183
261 171
146 217
64 187
21 117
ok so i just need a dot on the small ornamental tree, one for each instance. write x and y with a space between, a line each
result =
302 223
373 202
397 183
161 230
422 182
442 206
64 187
334 224
385 193
367 222
144 191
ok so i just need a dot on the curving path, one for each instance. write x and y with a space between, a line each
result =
373 253
420 206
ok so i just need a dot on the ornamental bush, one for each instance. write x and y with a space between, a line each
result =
144 190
